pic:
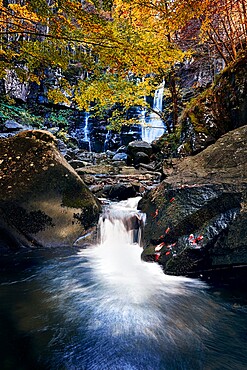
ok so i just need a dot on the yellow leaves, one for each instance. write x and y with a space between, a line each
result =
3 69
34 78
58 97
112 91
24 13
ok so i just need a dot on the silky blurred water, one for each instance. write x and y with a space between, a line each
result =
103 308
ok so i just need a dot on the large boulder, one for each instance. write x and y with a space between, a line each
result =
138 146
197 217
43 202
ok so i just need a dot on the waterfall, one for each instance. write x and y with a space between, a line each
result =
102 308
126 308
153 126
81 131
107 139
86 132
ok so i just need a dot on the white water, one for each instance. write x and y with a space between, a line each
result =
87 132
153 126
117 260
128 308
102 308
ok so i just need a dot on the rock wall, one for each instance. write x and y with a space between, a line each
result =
217 110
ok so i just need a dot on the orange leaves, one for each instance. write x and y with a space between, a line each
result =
195 242
167 230
155 214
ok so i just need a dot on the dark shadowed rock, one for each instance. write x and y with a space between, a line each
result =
43 201
120 157
141 157
122 191
139 146
197 217
76 163
217 110
139 151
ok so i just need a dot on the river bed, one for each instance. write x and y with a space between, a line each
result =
102 308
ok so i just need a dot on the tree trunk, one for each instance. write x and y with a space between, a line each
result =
174 94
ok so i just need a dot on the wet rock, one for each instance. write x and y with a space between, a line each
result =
43 202
197 215
122 149
110 153
141 157
11 125
86 240
139 146
122 191
5 135
76 163
62 147
120 157
96 188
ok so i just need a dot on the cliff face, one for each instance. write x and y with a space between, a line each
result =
221 108
197 217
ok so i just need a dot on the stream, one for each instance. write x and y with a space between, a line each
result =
102 308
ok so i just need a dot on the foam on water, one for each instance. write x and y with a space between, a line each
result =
128 307
103 308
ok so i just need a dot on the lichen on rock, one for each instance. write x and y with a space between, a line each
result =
41 194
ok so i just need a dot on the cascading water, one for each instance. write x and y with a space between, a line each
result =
153 126
81 131
107 139
103 308
87 132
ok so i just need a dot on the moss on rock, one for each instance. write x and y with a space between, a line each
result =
217 110
204 195
41 190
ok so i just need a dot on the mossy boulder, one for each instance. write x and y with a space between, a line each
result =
219 109
197 217
43 202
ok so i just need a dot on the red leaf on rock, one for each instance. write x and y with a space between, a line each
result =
156 256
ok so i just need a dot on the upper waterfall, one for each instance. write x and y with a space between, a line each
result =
153 126
87 132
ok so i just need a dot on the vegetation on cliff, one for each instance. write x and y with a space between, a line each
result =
95 55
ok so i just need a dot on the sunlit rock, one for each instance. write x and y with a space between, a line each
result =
43 202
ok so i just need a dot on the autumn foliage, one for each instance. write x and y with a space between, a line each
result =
120 50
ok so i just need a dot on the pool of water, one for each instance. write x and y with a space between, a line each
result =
103 308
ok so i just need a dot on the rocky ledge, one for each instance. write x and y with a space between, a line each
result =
197 217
